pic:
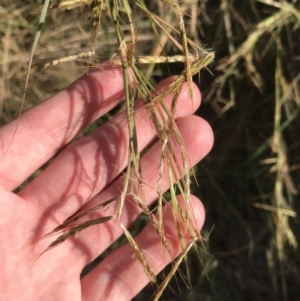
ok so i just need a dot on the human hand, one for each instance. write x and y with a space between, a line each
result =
82 175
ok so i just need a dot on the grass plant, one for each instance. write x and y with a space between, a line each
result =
249 183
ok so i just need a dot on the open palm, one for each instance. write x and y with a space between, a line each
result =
82 174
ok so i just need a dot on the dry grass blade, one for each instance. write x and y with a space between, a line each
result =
63 5
34 45
97 8
65 59
284 187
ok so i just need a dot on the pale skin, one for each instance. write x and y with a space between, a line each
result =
82 175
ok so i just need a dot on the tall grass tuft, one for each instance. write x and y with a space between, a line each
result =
250 182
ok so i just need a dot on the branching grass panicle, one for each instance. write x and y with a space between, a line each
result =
193 58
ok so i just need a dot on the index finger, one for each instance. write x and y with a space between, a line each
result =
46 128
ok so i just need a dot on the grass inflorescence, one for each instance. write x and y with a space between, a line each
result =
121 17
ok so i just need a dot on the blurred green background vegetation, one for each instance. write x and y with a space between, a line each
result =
249 183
